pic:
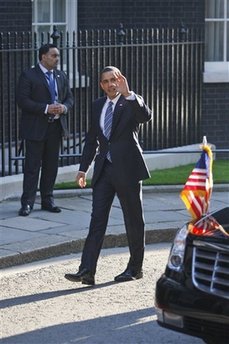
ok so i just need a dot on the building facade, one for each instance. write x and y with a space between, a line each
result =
211 16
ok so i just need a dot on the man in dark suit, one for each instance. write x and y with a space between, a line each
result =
45 98
119 169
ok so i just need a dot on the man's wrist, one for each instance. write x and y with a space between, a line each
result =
46 109
131 96
65 109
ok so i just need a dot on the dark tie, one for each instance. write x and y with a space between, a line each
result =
51 83
108 120
108 123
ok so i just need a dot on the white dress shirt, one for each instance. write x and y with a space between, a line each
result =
114 101
44 70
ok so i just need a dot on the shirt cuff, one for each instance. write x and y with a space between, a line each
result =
132 96
65 109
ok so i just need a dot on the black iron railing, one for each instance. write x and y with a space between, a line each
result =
164 66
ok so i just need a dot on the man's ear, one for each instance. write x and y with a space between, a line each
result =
101 85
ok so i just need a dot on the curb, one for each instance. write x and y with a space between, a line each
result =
76 246
146 189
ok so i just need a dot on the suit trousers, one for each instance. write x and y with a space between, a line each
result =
41 155
130 197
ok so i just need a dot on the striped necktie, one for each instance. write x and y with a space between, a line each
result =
51 82
108 120
108 124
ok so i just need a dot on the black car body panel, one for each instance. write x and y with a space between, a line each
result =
198 292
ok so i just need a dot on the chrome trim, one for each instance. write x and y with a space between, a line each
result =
210 268
215 246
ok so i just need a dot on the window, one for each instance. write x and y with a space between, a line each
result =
47 13
216 41
62 14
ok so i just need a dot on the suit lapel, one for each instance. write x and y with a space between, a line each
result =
117 113
57 77
42 76
98 111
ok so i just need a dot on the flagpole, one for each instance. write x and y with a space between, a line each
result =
204 143
207 150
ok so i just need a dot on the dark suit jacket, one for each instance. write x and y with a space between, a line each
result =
32 97
126 153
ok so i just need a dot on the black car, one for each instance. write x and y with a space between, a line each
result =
192 296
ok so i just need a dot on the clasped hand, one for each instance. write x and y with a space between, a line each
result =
56 109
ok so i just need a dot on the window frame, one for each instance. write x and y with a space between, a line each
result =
218 71
70 23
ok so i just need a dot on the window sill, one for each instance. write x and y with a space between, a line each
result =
216 72
216 77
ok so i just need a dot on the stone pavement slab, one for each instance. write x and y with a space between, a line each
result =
42 234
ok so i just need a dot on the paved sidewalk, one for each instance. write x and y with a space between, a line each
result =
42 234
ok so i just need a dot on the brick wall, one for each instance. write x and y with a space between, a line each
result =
15 15
138 13
215 120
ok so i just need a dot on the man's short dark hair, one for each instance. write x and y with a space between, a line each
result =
108 69
44 49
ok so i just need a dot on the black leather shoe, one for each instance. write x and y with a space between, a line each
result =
84 276
51 208
129 275
25 210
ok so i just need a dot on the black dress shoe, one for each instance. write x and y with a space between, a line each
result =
84 276
51 208
129 275
25 210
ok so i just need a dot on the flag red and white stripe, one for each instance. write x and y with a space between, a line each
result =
207 226
198 188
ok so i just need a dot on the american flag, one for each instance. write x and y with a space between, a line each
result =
198 188
207 226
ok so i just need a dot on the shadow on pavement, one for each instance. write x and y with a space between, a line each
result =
22 300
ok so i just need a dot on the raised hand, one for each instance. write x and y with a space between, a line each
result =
122 84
